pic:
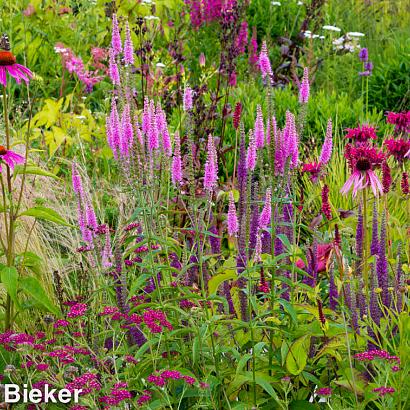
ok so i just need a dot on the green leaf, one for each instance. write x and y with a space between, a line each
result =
33 170
31 261
46 214
216 280
9 278
296 358
33 287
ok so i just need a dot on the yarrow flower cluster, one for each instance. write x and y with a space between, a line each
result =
156 321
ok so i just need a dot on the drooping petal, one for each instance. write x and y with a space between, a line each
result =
3 80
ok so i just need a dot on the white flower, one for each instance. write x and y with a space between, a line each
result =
321 37
160 65
300 3
275 3
151 18
355 34
148 2
338 41
332 28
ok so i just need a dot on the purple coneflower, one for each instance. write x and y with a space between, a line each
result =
10 158
362 162
8 65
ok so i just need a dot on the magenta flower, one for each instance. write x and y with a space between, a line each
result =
382 391
113 69
264 63
10 158
128 46
265 216
259 131
304 87
327 147
361 134
362 162
233 226
176 169
258 249
187 99
116 38
251 153
398 148
115 129
211 166
17 71
324 391
127 134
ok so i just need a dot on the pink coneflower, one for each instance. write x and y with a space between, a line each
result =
233 226
251 153
264 63
211 166
265 216
362 162
304 87
8 65
187 99
259 131
176 169
128 46
361 134
398 148
116 38
10 158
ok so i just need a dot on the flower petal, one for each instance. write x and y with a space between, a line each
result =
3 79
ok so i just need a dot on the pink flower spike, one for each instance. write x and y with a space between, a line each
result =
76 181
304 87
140 137
259 131
265 216
187 100
327 147
258 249
211 166
153 133
232 217
115 128
127 134
264 63
176 170
251 153
128 46
116 38
113 69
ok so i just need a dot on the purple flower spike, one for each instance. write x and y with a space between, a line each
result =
304 87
